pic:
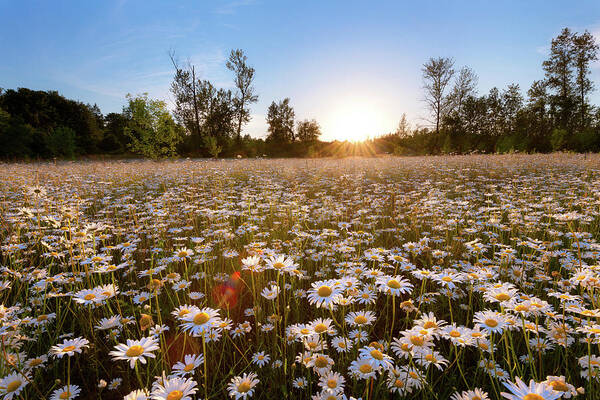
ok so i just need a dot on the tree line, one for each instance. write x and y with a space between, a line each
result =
205 121
555 115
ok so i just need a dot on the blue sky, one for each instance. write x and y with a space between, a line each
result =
332 58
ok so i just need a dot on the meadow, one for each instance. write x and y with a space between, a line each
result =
466 277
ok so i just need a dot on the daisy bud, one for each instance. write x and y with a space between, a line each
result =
146 322
154 284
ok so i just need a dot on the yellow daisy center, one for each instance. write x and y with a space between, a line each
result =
68 348
14 385
376 354
175 395
183 312
394 284
89 296
65 395
189 367
533 396
201 318
365 368
134 351
502 297
417 340
324 291
321 362
492 323
332 383
429 325
320 328
360 319
243 387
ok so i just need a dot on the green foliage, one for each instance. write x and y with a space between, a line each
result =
46 111
210 142
17 140
150 128
308 130
558 139
280 117
61 142
114 140
585 141
244 75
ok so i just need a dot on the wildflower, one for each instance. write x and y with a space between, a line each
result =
534 391
242 387
69 347
189 364
261 358
490 321
475 394
198 322
139 394
300 383
66 393
270 293
375 357
281 264
360 318
12 385
173 388
362 368
324 293
135 350
332 382
394 285
115 383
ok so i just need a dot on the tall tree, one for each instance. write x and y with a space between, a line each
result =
465 85
244 75
512 103
437 74
559 77
308 130
216 110
586 51
185 90
280 117
403 130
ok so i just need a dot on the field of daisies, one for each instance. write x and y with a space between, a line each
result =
464 278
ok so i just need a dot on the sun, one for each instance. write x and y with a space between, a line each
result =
355 120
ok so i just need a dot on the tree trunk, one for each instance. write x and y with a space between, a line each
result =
240 117
195 100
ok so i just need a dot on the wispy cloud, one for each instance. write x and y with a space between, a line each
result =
233 6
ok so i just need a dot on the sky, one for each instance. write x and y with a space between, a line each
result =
354 66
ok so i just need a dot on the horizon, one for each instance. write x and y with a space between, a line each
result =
332 61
